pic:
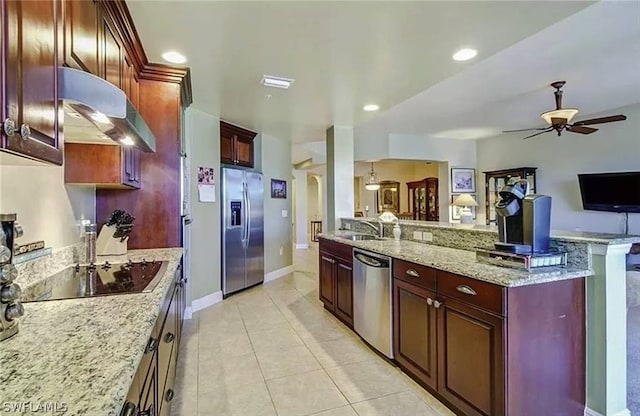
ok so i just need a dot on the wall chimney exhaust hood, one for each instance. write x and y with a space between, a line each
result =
97 111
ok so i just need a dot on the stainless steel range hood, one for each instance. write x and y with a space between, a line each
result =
97 111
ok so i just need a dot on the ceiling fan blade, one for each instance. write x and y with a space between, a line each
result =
537 134
512 131
608 119
581 129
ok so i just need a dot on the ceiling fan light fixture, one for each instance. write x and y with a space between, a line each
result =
372 183
565 113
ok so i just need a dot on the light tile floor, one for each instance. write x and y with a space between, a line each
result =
273 350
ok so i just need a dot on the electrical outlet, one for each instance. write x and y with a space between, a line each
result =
417 235
427 236
347 226
281 250
285 213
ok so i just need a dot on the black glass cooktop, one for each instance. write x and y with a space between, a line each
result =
98 280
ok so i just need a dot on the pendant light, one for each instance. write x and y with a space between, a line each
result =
372 183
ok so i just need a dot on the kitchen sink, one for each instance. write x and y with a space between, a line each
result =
359 237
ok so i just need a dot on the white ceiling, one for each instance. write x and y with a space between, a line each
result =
347 54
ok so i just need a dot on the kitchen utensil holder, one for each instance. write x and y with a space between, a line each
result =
108 245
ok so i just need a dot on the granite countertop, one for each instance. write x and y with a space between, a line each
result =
462 262
558 235
83 352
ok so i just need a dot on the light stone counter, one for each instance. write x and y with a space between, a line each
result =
82 352
462 262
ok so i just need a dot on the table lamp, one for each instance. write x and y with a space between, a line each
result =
465 201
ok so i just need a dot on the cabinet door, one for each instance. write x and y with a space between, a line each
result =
327 280
131 166
167 342
81 35
31 77
149 391
111 59
227 148
244 151
414 331
344 291
470 358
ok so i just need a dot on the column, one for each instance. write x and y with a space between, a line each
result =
607 332
300 203
339 175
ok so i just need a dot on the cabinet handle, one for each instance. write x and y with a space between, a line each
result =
9 127
170 394
328 259
25 131
429 301
169 338
436 304
412 273
129 409
151 346
467 290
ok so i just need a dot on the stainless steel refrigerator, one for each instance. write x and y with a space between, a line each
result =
242 229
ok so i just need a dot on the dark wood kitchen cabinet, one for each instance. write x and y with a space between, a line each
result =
336 279
81 29
236 145
111 58
30 105
471 342
152 389
105 166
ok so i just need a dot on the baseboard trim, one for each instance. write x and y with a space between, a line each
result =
198 304
278 273
591 412
302 246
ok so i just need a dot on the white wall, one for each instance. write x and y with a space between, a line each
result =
47 208
276 164
559 159
300 207
202 134
340 149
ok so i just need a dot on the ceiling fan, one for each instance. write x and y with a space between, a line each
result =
559 118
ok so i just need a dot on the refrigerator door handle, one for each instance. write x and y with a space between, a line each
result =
248 222
245 229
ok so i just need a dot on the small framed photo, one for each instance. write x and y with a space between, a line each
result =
278 188
463 180
455 210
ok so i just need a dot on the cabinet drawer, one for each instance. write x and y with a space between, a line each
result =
477 293
414 273
344 251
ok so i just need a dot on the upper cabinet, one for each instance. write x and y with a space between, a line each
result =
30 105
81 35
236 145
111 61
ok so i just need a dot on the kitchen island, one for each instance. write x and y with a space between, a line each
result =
485 340
82 354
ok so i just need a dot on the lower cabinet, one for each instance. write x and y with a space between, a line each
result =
151 390
488 350
335 275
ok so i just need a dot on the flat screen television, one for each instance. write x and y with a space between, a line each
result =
614 192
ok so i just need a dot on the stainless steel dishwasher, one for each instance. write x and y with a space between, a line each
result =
372 306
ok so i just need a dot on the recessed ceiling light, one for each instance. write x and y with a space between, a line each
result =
464 54
127 141
371 107
174 57
100 118
277 82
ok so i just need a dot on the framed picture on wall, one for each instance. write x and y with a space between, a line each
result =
388 197
463 180
278 188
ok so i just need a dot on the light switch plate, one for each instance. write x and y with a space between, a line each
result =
285 213
417 235
427 236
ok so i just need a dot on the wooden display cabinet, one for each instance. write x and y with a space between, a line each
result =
423 199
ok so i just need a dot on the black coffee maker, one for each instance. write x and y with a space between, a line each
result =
524 221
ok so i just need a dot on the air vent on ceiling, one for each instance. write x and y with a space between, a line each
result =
276 82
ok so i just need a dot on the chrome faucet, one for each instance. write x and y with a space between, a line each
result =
379 228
